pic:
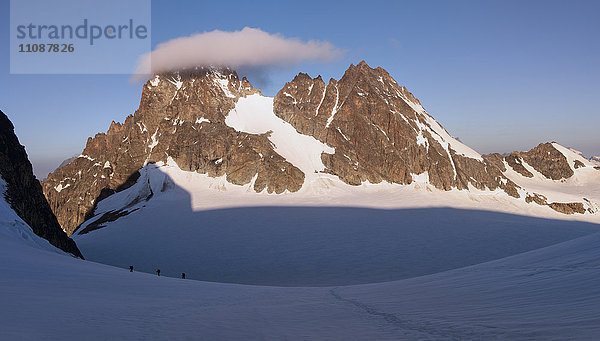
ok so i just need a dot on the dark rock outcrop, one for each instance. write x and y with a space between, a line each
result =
537 198
578 164
568 207
562 207
24 192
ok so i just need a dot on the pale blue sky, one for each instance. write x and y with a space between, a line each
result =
500 75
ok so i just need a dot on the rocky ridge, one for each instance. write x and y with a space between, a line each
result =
24 192
377 130
381 132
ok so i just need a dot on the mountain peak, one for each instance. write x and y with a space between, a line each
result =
375 126
362 63
362 67
183 95
365 127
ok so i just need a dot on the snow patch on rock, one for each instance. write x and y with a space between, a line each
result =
254 114
14 230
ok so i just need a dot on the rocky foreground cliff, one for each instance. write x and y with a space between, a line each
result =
24 192
372 129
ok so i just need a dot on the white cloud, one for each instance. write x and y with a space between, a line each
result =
248 48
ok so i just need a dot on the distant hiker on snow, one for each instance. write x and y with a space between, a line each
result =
131 268
158 272
183 275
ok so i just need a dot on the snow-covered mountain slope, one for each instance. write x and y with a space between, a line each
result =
325 234
202 192
546 294
14 231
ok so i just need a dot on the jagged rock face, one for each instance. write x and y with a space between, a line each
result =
380 132
549 161
181 115
545 159
24 192
378 129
